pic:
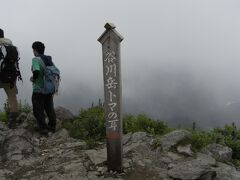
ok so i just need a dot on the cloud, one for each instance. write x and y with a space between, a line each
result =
180 59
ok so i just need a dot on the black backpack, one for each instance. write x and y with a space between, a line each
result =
9 68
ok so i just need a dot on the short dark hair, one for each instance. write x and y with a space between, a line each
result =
39 47
1 33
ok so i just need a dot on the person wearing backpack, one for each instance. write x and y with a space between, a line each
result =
9 72
42 100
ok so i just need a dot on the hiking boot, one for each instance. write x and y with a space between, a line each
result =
12 120
51 129
43 131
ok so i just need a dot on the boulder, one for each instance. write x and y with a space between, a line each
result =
173 138
226 172
192 169
139 137
97 157
17 145
63 113
3 126
136 142
26 154
219 152
185 150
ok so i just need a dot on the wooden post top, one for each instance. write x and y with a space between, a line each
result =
110 31
109 26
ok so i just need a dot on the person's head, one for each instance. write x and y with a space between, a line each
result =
38 48
1 33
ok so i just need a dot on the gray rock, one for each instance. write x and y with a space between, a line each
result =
126 165
140 163
226 172
136 142
28 162
126 138
61 134
97 157
75 165
3 126
219 152
63 113
147 161
173 138
205 159
2 136
27 121
131 147
185 150
192 169
163 162
16 145
27 155
174 156
4 173
208 176
92 175
76 145
151 173
22 117
139 137
161 173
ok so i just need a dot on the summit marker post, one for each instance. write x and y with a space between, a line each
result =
110 40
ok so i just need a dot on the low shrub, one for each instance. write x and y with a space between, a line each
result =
143 123
3 116
90 125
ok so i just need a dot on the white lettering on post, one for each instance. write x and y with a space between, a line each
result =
111 85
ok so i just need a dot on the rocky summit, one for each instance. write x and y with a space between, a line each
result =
26 155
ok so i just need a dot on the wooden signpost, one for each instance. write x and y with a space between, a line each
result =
110 41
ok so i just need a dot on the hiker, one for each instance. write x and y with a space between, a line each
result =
9 71
42 101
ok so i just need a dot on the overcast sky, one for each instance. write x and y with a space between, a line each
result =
180 58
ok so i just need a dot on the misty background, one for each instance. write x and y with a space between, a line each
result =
180 58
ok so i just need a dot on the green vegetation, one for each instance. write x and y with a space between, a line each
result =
143 123
4 112
22 107
201 139
3 116
90 125
228 136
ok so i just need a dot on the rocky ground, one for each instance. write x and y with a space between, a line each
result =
25 155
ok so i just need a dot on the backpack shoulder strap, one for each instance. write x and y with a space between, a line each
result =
2 51
42 63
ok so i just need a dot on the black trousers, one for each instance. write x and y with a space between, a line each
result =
44 103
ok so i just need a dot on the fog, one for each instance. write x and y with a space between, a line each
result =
180 58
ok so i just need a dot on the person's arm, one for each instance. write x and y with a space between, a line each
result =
35 74
35 69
